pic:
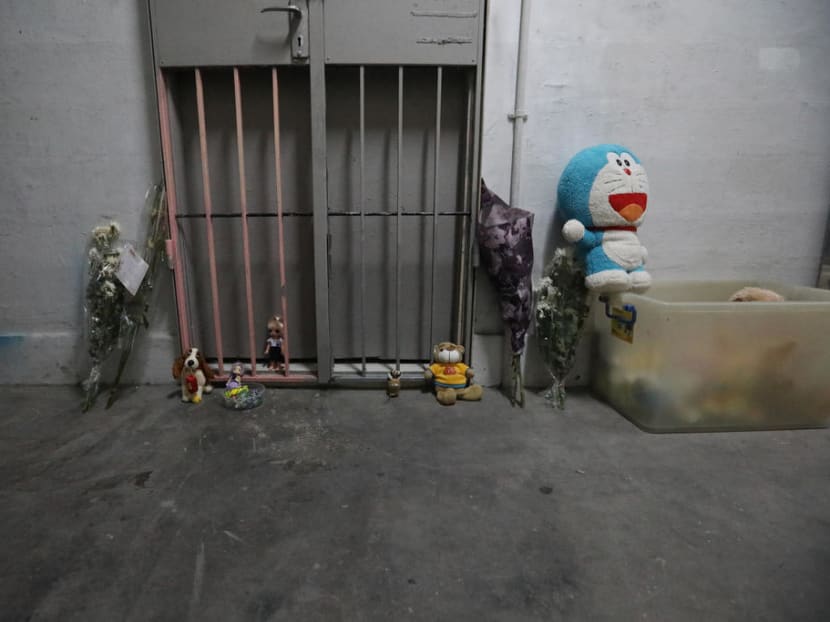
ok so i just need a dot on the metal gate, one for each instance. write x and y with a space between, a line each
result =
320 160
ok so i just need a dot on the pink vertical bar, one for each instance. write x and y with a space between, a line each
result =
214 284
172 205
278 181
243 206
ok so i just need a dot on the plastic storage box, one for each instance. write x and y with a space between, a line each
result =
697 362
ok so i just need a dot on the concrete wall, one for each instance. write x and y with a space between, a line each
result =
727 103
78 144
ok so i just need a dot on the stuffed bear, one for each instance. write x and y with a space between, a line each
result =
451 377
602 195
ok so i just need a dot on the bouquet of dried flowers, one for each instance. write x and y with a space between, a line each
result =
562 304
104 304
113 315
135 314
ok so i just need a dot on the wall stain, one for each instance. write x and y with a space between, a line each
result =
8 341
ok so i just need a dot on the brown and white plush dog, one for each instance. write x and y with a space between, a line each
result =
191 370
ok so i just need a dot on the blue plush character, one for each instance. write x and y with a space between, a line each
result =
602 194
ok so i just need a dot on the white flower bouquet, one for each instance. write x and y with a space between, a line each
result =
562 304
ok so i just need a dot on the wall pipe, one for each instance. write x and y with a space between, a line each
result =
512 374
519 116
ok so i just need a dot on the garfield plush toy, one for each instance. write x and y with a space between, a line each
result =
451 377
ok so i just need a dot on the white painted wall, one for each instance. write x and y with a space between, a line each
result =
727 103
78 144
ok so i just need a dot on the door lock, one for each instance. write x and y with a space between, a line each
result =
297 28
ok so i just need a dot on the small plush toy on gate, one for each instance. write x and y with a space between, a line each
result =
273 343
451 377
602 195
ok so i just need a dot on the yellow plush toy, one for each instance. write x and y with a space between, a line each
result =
451 377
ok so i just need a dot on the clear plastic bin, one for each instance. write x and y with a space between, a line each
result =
698 362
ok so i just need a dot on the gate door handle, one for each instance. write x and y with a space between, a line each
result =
295 11
298 28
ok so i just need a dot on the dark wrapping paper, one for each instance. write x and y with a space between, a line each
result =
505 240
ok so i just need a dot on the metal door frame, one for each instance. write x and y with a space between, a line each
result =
317 64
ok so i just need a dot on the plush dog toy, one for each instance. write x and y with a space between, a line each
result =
602 194
191 370
451 377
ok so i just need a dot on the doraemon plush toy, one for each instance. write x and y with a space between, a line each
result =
602 194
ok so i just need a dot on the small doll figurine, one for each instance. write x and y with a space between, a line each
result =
273 344
235 378
393 383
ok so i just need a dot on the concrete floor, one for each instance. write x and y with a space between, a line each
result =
343 505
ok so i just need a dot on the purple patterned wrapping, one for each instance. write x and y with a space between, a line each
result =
505 241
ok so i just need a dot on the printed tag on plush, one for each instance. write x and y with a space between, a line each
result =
132 269
624 327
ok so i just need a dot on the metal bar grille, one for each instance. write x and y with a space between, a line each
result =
243 206
465 198
475 197
275 98
317 83
390 306
394 215
239 215
172 209
435 193
398 207
214 284
362 219
371 140
244 215
307 215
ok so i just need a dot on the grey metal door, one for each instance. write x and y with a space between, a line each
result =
320 160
